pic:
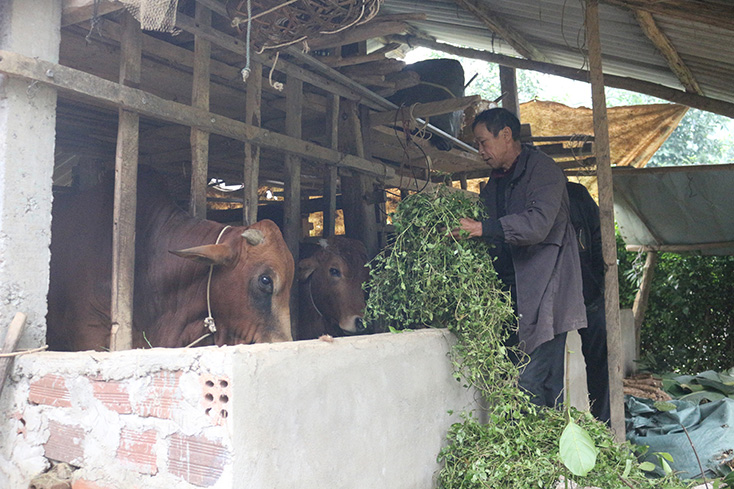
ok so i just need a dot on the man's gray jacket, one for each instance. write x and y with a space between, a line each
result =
544 252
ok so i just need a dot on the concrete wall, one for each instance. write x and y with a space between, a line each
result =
361 412
27 135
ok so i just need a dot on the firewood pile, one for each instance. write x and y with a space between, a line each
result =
646 386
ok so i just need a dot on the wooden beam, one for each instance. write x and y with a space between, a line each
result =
606 216
379 54
524 47
666 48
712 13
116 95
75 11
370 30
707 104
253 106
125 200
421 110
640 305
200 99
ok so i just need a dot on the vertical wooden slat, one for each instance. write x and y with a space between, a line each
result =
606 214
293 127
330 176
125 200
508 87
253 103
200 99
463 182
359 216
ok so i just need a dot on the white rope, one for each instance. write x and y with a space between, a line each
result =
246 69
209 320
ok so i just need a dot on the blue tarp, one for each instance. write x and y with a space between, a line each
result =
710 427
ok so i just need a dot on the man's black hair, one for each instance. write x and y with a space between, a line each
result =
497 119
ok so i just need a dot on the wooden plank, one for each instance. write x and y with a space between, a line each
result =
379 54
200 99
421 110
116 95
670 94
666 48
75 11
9 343
125 200
502 29
381 67
606 215
253 108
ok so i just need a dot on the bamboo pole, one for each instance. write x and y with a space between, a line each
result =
606 214
640 305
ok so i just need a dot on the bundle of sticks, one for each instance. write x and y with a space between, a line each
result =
647 386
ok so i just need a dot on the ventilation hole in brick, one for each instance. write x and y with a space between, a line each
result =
209 397
223 383
209 383
223 413
208 410
223 399
22 421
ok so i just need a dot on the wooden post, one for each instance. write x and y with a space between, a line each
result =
606 214
125 202
330 176
640 305
359 216
253 103
508 87
292 204
200 100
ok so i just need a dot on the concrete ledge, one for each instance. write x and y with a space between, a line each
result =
361 412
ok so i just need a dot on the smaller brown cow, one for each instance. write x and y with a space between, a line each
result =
331 299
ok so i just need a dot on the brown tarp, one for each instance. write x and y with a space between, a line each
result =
635 131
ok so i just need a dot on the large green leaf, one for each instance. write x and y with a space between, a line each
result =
577 451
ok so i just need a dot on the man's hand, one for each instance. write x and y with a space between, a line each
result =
474 228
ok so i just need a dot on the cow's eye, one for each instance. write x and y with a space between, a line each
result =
334 272
265 283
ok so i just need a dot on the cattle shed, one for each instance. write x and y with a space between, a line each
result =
313 115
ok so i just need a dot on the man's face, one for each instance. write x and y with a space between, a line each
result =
497 151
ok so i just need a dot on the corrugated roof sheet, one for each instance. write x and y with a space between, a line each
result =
556 28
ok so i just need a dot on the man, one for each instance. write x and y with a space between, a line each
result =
535 250
585 219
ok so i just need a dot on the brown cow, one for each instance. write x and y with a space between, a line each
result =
331 299
251 275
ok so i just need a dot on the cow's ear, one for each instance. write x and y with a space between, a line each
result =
306 268
215 254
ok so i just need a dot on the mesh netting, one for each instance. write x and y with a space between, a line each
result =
292 21
154 15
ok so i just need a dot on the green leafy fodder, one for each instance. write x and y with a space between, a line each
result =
428 278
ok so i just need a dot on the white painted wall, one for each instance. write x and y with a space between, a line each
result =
27 139
362 412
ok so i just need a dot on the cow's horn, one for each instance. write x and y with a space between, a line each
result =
253 236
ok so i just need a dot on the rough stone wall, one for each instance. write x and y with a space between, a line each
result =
361 412
27 135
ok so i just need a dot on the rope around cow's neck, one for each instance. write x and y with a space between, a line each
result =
209 320
310 296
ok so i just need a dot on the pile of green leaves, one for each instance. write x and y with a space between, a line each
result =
428 278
